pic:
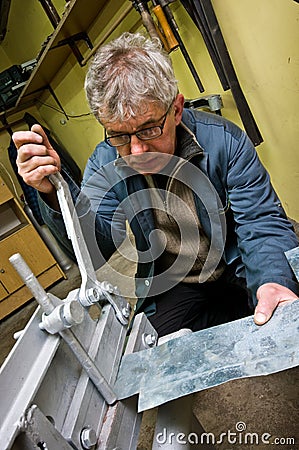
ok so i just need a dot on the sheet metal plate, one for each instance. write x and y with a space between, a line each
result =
293 259
210 357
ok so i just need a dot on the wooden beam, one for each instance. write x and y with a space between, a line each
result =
4 12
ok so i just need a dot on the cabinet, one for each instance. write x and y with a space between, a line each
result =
18 235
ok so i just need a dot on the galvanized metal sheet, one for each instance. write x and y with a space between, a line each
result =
293 259
210 357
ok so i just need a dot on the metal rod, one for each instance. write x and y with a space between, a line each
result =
67 335
32 282
51 12
195 12
173 25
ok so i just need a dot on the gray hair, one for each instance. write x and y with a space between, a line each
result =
126 74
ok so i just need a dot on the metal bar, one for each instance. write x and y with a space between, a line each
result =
42 298
90 368
91 291
239 97
51 12
74 230
21 375
41 432
32 283
174 27
87 407
122 422
195 12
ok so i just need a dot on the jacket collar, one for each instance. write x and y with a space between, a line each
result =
187 144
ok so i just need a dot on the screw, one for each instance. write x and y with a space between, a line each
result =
126 311
149 340
107 287
88 438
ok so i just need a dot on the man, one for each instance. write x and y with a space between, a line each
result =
209 229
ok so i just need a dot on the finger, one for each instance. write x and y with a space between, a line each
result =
264 310
26 137
28 165
38 178
28 151
38 129
50 150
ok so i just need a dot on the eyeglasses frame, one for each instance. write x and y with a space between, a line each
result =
164 117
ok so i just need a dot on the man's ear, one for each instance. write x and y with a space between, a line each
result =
178 108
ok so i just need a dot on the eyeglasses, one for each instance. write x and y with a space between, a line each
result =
144 135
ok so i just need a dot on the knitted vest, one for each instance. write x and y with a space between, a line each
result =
183 242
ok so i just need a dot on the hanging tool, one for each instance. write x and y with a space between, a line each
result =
147 20
202 12
169 41
198 17
142 7
175 30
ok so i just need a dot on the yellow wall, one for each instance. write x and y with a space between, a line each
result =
26 31
262 37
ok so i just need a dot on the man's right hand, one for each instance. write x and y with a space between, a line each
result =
36 159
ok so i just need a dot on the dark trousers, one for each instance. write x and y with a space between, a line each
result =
198 306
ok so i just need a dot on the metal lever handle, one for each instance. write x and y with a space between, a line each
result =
91 290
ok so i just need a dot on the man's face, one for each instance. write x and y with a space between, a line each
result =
149 156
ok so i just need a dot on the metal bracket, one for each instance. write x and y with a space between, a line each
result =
67 406
40 431
213 102
72 42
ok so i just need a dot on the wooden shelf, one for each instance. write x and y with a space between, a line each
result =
77 18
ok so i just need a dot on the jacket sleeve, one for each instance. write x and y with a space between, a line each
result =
263 230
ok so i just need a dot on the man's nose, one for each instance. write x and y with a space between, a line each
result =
138 146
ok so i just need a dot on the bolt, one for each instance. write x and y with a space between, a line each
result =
88 438
126 311
149 340
96 294
107 287
92 295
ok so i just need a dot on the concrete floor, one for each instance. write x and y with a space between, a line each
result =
263 405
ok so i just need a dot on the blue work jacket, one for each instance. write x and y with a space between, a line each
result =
232 184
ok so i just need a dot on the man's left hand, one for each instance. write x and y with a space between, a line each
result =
269 296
